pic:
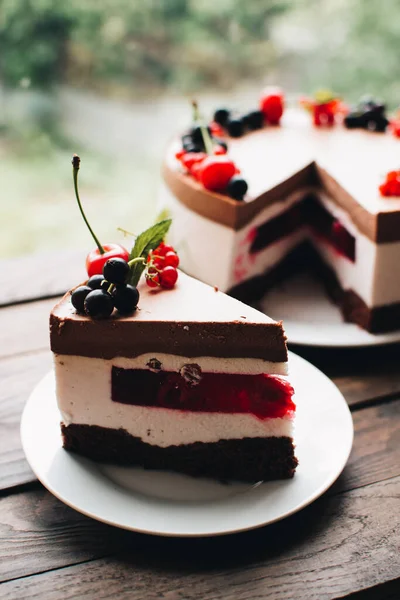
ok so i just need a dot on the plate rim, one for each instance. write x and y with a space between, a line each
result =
170 534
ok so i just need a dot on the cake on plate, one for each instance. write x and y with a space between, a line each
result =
311 193
165 372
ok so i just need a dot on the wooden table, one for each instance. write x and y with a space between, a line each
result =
345 545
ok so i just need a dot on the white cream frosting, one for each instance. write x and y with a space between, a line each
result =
83 387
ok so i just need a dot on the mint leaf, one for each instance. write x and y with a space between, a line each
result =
145 242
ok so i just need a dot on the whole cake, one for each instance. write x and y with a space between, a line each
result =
166 372
311 193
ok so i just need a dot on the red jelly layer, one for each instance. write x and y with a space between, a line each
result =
308 212
265 396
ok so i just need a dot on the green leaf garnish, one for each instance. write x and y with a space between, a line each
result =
145 242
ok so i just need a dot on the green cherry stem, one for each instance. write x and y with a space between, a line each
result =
208 145
75 168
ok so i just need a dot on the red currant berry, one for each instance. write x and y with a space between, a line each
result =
179 155
215 172
96 261
153 280
168 277
162 251
171 260
195 171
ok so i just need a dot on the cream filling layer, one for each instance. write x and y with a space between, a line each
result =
83 388
171 362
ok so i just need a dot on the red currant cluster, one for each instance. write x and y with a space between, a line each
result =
324 108
162 265
391 185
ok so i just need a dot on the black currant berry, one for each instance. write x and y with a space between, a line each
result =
78 297
254 119
95 282
126 298
235 127
221 116
116 270
236 188
197 135
98 304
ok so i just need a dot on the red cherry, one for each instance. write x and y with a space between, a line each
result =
215 172
271 104
168 277
95 261
195 170
171 260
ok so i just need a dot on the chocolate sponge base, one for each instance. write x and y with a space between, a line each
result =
248 459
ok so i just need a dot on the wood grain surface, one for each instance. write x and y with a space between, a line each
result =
345 545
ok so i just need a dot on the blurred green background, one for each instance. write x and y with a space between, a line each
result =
111 80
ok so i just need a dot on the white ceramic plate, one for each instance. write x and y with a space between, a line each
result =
311 319
177 505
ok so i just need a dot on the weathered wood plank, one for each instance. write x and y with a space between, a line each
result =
376 450
49 274
338 546
25 327
18 376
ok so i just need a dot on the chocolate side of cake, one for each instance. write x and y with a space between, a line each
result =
247 459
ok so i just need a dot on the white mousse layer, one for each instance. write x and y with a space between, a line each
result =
83 388
225 260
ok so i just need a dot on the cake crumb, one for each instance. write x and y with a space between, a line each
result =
216 288
186 327
243 317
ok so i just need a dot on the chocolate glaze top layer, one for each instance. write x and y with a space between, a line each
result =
193 319
275 161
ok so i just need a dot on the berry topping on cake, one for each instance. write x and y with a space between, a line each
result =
272 104
98 304
95 282
235 127
116 270
254 119
367 114
96 259
221 116
78 297
324 107
391 185
237 187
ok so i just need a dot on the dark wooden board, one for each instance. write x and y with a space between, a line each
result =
18 376
339 545
43 275
25 327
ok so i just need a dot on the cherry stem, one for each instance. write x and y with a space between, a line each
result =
208 145
75 168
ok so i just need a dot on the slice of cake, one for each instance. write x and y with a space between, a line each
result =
308 196
190 382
